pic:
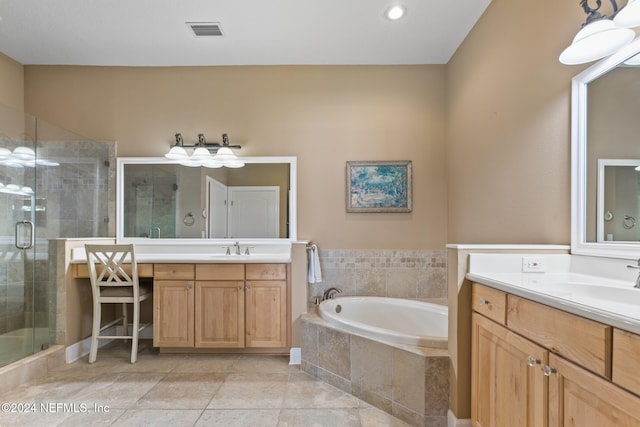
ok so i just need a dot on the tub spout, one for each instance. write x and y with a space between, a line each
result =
329 293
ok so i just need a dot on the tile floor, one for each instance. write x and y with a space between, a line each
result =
184 390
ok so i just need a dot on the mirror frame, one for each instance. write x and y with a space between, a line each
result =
293 202
579 243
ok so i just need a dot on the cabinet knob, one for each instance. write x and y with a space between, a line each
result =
548 370
248 287
532 361
484 301
240 287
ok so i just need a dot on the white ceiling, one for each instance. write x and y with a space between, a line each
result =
256 32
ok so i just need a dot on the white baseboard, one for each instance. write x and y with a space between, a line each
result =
295 356
452 421
80 349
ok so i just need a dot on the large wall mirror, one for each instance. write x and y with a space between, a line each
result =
605 152
160 199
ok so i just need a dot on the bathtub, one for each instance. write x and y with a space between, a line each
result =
393 320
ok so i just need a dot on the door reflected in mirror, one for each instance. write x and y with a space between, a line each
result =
618 200
160 199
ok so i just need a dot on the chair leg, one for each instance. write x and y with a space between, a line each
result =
136 327
95 332
125 320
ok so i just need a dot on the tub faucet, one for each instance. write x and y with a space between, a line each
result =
329 293
637 267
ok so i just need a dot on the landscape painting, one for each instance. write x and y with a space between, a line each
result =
379 186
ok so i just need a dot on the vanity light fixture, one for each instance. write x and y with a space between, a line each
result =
201 156
601 35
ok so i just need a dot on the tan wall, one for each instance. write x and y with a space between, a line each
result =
12 87
323 115
508 125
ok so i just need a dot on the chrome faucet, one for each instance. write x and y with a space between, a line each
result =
237 246
329 293
637 267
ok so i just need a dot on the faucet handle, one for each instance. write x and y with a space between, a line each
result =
247 251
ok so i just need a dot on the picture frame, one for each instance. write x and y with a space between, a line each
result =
379 186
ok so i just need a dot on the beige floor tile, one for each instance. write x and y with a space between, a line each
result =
174 390
31 419
245 391
239 418
155 418
121 390
206 364
262 364
92 418
319 418
374 417
182 391
316 394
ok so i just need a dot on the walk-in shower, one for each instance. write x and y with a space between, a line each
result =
53 184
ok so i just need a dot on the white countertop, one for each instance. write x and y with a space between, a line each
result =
200 254
562 284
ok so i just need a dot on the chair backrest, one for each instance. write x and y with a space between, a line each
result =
107 265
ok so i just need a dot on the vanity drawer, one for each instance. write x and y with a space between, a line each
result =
266 271
173 271
489 302
626 360
219 271
581 340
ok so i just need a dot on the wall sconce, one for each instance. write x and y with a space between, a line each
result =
201 156
602 35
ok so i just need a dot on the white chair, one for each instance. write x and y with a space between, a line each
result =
113 283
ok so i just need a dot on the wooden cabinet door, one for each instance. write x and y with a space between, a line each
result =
219 314
173 313
505 390
579 398
267 314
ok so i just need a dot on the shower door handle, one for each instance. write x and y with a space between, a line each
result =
21 225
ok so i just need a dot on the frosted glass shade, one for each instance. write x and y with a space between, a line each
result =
596 40
628 16
177 153
200 154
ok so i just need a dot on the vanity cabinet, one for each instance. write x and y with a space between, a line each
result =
219 311
225 306
173 305
545 367
266 296
506 390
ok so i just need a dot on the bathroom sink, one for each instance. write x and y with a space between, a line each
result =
616 299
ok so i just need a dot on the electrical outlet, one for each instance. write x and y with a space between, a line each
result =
533 264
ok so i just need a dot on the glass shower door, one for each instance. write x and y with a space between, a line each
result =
17 245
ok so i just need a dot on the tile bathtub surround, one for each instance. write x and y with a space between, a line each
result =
413 274
412 383
187 390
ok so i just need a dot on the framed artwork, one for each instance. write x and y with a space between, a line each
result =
379 186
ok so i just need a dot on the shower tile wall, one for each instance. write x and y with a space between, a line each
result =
413 274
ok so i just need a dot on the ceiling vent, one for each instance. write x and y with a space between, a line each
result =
205 29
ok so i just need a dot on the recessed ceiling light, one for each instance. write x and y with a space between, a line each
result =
395 12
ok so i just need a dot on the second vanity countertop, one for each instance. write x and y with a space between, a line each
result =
564 285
